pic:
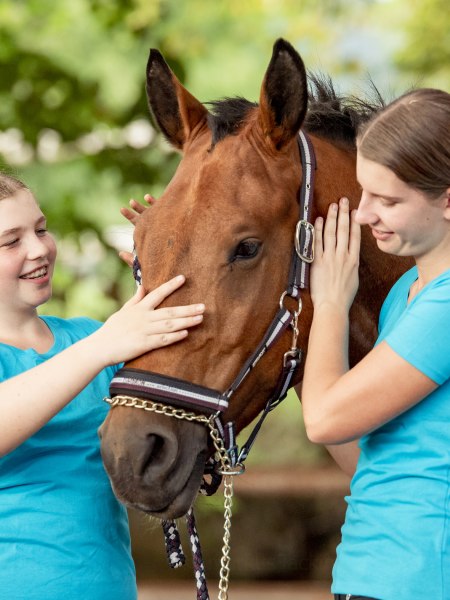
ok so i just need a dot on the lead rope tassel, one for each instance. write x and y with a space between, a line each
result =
174 550
197 557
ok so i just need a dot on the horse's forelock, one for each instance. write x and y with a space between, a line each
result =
227 115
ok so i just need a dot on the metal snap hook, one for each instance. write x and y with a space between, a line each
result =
237 469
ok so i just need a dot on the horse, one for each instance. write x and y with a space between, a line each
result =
226 221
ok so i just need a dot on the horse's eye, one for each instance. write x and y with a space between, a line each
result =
246 249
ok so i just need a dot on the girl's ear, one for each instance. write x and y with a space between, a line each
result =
447 204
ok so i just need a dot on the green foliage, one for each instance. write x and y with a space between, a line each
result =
426 53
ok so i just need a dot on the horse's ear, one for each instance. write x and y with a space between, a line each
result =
176 111
284 95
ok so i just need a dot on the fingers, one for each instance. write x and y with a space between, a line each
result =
318 238
169 325
355 236
167 330
129 215
165 339
334 235
343 227
138 296
334 275
191 313
155 297
127 257
149 199
136 208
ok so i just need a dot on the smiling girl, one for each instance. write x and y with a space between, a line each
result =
396 401
63 534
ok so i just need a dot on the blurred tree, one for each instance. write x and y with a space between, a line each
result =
426 52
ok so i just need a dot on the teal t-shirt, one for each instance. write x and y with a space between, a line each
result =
63 534
396 537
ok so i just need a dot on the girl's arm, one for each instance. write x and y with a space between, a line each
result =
29 400
340 405
346 455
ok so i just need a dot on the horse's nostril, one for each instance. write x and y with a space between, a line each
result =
156 456
156 447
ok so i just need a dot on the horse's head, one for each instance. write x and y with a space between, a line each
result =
226 221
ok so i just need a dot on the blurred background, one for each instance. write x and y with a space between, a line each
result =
74 125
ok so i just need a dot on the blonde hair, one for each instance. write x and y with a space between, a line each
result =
10 185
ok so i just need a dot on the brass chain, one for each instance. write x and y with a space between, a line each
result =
225 559
224 460
159 408
225 469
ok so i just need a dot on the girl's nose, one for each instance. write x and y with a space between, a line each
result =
365 214
36 247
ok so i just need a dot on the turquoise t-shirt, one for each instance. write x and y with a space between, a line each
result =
63 534
396 537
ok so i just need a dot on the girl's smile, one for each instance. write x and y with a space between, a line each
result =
381 235
38 275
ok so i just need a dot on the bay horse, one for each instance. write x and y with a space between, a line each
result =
226 221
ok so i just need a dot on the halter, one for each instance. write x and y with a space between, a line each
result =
185 400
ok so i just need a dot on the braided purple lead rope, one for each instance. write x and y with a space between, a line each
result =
197 558
175 554
208 487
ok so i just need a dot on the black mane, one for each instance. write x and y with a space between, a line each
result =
330 116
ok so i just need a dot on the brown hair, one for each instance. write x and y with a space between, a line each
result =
411 137
10 185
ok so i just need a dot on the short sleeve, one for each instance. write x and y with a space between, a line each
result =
422 333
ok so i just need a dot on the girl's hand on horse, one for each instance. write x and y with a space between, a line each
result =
334 273
132 214
139 326
136 208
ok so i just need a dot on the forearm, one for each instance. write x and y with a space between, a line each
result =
31 399
326 363
346 456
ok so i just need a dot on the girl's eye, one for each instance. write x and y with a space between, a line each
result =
10 243
41 231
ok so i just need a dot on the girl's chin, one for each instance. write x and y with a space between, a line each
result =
41 297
